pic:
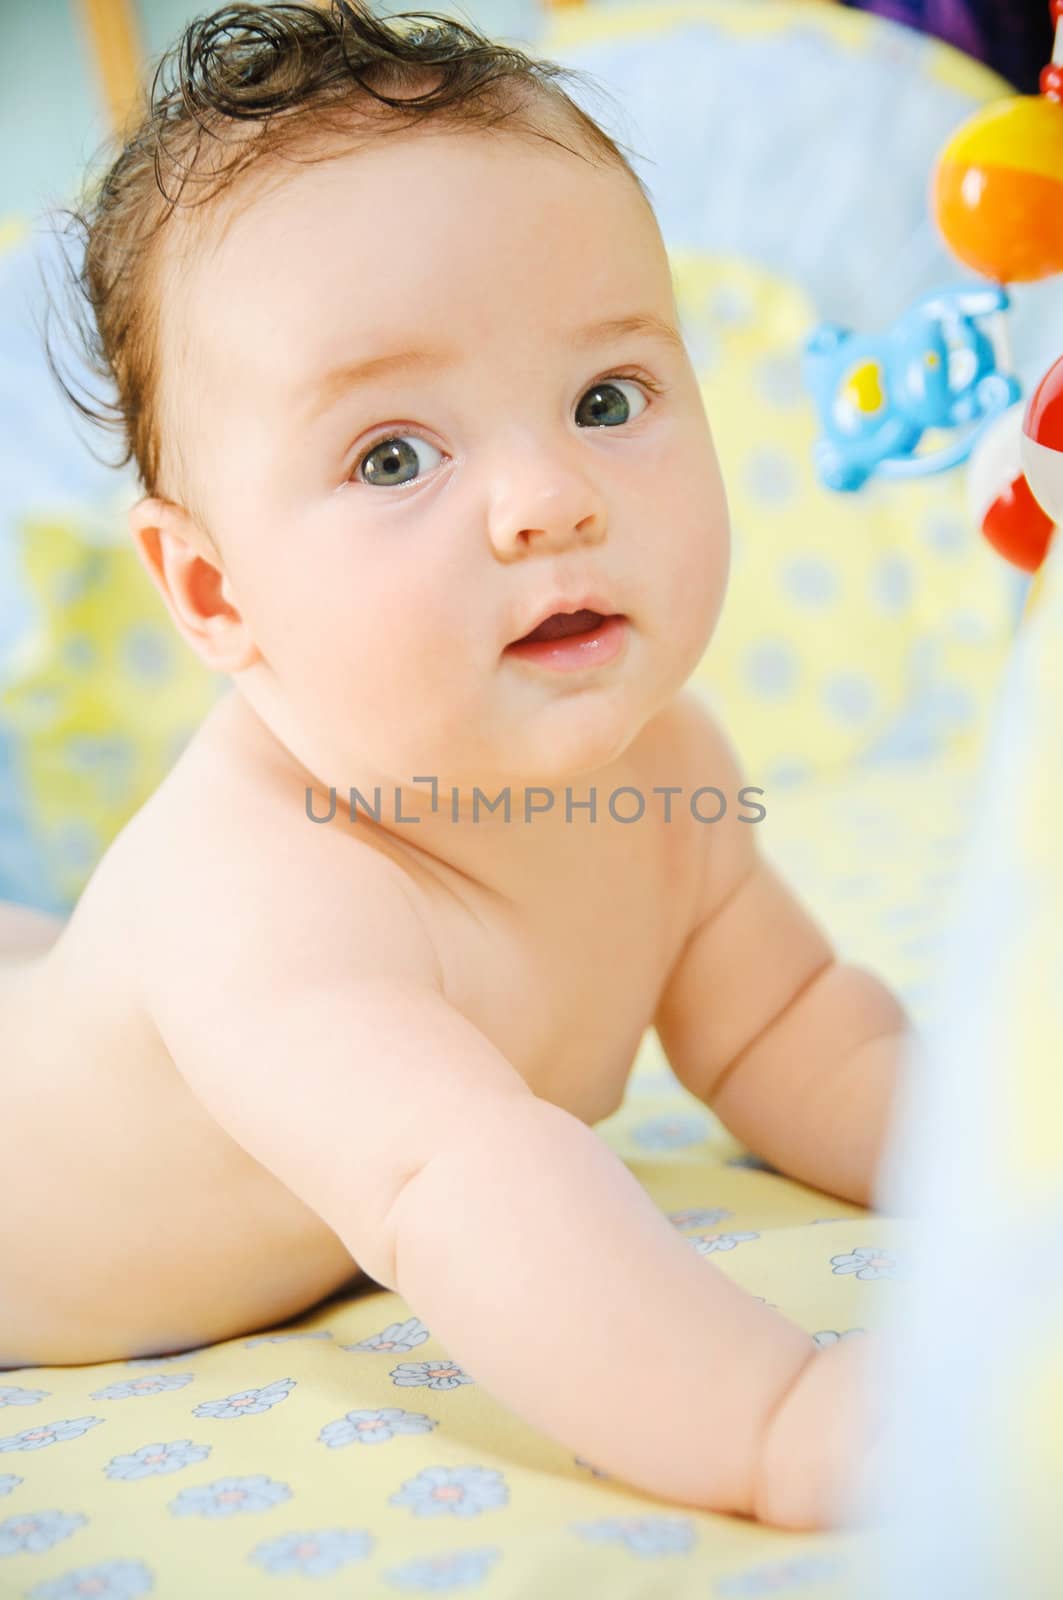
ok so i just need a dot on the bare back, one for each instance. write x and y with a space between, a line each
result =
164 1232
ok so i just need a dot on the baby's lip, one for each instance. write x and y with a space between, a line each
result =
584 602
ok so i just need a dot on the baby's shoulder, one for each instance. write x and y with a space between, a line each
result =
687 746
712 802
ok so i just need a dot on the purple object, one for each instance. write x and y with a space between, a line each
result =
1014 37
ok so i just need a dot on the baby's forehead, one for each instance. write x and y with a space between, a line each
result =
273 273
197 283
403 175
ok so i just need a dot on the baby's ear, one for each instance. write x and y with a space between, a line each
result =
185 568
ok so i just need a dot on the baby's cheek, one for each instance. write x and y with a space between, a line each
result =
417 691
699 572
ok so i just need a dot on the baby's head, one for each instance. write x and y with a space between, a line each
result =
397 357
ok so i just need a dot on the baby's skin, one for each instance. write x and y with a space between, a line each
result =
268 1052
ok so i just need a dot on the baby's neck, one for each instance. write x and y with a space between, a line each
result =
504 837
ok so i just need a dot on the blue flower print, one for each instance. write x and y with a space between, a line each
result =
247 1402
110 1580
139 1388
442 1574
37 1530
79 652
398 1337
777 1576
9 1481
48 1433
698 1217
643 1536
147 651
867 1262
706 1244
670 1133
452 1491
313 1554
769 476
429 1375
809 581
282 1338
12 1395
153 1460
831 1336
227 1497
374 1427
781 384
946 533
731 304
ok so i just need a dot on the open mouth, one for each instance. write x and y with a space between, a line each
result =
572 641
562 625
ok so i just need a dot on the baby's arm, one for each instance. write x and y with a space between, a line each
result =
796 1052
524 1243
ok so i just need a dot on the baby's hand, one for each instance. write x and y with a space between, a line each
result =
823 1439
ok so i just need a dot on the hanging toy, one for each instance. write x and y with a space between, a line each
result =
1000 501
937 367
1042 442
997 197
997 190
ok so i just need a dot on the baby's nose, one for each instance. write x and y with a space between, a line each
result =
554 536
528 516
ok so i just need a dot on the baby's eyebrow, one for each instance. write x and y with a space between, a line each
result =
322 392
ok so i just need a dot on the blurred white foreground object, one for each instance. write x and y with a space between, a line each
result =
969 1493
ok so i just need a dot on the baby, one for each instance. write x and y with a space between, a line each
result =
428 475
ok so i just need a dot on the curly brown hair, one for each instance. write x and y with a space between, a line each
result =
252 85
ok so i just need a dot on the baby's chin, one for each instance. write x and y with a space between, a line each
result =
550 758
591 746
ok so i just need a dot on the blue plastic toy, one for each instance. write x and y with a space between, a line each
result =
878 393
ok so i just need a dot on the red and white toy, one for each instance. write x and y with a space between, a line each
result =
1042 443
998 200
1000 499
1015 478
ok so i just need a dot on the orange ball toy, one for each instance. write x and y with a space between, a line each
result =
997 189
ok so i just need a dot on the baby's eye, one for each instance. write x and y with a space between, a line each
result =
393 460
608 405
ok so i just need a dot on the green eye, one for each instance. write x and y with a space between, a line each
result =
393 461
609 406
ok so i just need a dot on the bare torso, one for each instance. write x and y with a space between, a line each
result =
132 1223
